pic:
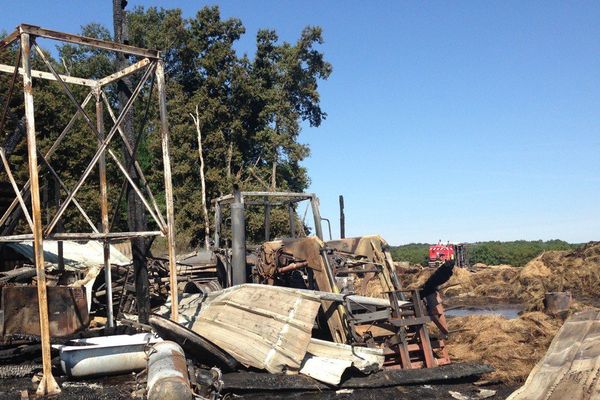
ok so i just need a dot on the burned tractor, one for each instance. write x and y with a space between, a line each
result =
370 308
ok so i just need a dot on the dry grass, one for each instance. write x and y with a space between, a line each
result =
511 346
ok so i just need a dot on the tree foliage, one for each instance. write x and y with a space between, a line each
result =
516 253
250 110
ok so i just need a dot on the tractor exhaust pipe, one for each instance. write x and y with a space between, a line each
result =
238 239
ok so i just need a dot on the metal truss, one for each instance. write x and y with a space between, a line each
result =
151 67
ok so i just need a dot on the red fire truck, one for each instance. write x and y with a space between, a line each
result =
439 253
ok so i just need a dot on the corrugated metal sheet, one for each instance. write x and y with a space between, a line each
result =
75 253
262 326
571 367
327 361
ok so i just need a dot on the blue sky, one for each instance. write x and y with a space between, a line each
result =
460 121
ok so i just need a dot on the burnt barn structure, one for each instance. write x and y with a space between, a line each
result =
150 70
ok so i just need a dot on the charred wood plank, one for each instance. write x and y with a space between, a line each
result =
253 381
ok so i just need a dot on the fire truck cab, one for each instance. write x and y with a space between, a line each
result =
440 253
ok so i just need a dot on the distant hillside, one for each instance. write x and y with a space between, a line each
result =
516 253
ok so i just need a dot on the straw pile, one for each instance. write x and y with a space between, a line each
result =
489 281
577 271
511 346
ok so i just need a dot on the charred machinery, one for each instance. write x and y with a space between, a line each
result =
373 309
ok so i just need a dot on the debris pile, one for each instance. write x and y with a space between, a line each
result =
511 346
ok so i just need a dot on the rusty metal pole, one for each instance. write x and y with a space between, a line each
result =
104 209
238 239
164 133
342 219
292 215
314 203
48 385
59 227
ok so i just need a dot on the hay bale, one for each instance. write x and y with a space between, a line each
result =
511 346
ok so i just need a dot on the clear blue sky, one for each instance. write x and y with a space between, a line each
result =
460 121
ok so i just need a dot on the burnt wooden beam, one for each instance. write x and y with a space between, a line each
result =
256 381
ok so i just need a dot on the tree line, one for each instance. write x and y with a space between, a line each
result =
250 111
516 253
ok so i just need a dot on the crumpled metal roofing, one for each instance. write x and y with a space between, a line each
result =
75 253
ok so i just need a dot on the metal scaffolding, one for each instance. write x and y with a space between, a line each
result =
149 63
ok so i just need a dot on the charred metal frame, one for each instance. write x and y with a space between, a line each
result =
400 327
150 63
269 200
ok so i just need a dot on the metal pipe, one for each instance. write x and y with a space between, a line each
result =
314 203
165 139
238 239
342 218
217 243
104 209
167 373
292 215
328 226
293 266
48 384
61 257
106 355
267 222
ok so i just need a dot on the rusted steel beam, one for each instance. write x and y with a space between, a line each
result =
9 39
10 91
87 41
82 236
136 164
294 197
48 76
15 188
124 72
104 145
48 385
164 134
47 157
104 209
